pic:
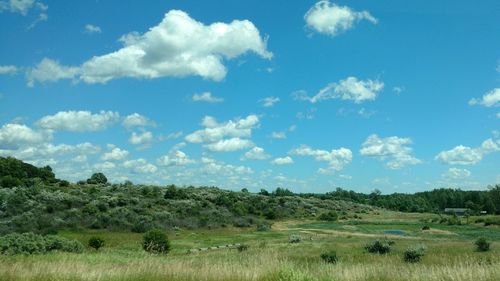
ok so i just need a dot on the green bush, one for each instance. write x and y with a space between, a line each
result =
482 245
156 241
329 257
242 247
329 216
295 239
426 227
264 227
96 243
30 243
379 246
414 254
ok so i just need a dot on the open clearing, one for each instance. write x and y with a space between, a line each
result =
450 254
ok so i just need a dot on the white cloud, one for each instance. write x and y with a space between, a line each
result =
116 154
456 173
105 166
8 69
49 70
215 167
398 89
350 88
278 135
21 6
346 177
491 98
229 145
140 166
207 97
179 46
144 139
137 120
394 149
256 153
79 121
269 101
174 135
464 155
13 136
287 160
331 19
214 131
336 158
175 158
48 150
90 28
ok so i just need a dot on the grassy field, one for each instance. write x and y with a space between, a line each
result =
450 254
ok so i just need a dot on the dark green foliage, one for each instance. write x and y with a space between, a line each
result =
426 227
329 216
97 178
414 254
96 243
14 172
175 193
264 226
30 243
428 201
379 246
64 183
264 192
156 241
295 239
282 192
242 247
482 245
330 257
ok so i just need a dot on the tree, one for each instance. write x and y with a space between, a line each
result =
264 192
97 178
156 241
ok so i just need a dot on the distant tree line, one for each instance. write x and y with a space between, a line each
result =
434 201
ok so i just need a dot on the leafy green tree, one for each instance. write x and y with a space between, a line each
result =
97 178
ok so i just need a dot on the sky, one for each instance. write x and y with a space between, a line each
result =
400 96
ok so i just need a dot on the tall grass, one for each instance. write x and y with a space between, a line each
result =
255 264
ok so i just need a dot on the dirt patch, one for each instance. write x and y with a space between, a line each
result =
438 231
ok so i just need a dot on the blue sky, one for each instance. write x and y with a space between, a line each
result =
396 95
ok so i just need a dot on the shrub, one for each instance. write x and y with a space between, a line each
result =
426 227
156 241
414 254
96 243
57 243
329 216
482 245
263 227
242 247
30 243
329 257
295 239
379 246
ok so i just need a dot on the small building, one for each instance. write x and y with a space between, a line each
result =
457 211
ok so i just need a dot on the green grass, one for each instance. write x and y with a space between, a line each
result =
450 254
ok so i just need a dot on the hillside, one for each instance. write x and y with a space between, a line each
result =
48 206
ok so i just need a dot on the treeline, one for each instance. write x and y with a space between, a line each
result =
14 172
434 201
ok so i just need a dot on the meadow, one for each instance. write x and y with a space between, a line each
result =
450 253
